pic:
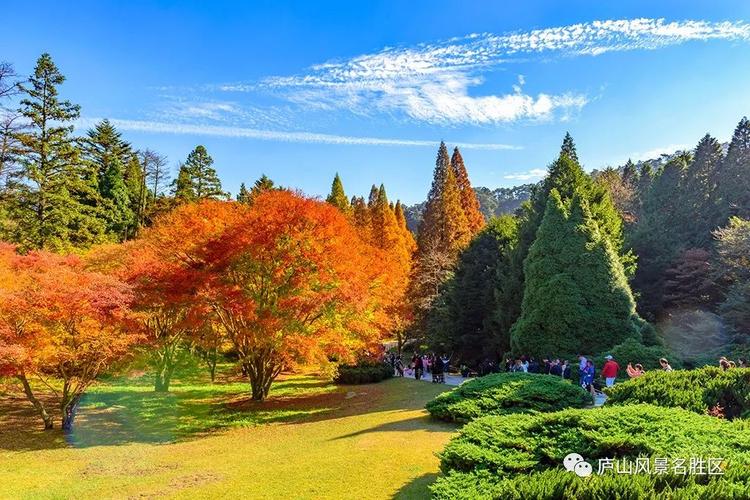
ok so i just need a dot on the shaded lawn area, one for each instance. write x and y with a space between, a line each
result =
310 439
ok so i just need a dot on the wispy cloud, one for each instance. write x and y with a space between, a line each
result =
656 153
534 174
273 135
432 82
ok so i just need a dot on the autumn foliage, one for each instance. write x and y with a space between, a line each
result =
61 321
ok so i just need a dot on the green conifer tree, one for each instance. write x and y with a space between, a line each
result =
199 166
54 192
119 216
576 296
337 197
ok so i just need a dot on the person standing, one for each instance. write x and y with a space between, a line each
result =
418 367
582 361
588 378
665 365
609 370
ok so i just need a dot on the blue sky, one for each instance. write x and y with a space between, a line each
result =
301 90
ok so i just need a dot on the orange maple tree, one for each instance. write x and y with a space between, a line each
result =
291 281
61 321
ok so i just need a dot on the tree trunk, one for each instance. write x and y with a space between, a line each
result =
164 369
34 401
69 412
261 372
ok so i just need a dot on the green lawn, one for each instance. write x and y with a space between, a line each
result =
310 439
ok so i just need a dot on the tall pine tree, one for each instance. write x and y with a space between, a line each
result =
54 192
205 182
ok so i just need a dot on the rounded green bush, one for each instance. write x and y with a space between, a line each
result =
710 389
363 373
521 456
505 393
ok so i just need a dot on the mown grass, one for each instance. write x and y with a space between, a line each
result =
310 439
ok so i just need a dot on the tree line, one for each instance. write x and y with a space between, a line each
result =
588 259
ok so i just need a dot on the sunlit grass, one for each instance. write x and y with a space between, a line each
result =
310 439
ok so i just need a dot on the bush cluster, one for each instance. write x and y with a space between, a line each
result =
505 393
363 373
709 389
521 456
632 351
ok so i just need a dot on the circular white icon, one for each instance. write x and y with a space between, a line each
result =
583 469
571 460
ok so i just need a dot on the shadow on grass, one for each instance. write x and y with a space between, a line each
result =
127 410
422 423
418 488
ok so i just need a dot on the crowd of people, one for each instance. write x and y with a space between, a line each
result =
583 371
421 365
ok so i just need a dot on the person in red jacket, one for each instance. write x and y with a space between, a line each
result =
609 370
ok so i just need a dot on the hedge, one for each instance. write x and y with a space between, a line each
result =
520 456
363 373
505 393
700 391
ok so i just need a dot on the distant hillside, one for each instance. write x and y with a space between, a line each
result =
491 202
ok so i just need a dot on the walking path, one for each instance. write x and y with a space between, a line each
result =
455 380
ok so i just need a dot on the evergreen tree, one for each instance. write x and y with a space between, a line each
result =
262 184
104 145
698 201
734 182
469 201
566 177
569 148
338 198
656 246
244 195
182 187
105 150
464 320
119 216
576 296
134 176
205 182
54 190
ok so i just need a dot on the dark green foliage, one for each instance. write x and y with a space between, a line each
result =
506 393
634 352
733 185
576 297
116 200
520 456
698 390
463 320
52 197
243 196
363 373
197 179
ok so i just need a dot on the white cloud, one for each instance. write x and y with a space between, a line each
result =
656 153
533 174
431 82
273 135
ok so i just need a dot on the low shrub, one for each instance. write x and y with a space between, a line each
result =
709 389
504 393
521 456
363 373
632 351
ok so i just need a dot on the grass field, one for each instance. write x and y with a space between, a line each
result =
310 439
